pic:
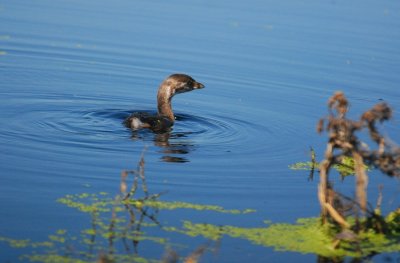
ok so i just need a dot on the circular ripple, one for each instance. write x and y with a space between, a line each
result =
58 121
215 131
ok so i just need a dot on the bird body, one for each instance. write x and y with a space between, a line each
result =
164 120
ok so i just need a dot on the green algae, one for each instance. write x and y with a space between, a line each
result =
112 220
96 204
115 219
345 167
54 258
22 243
68 259
102 202
163 205
307 235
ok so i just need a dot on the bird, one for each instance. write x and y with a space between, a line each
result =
165 118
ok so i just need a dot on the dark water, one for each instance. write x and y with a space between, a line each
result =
71 71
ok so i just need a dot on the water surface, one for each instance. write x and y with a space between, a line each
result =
71 71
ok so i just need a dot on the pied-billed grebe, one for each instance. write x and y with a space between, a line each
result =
163 121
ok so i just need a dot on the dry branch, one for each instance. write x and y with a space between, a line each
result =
343 142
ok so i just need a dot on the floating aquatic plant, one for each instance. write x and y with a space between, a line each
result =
345 166
307 235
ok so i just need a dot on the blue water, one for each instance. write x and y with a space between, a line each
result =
71 71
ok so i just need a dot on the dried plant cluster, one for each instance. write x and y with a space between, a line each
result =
344 142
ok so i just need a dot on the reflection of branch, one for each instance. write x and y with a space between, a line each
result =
195 256
93 235
132 219
151 217
133 207
172 257
135 241
111 232
139 173
314 164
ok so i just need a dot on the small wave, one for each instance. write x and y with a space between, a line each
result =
59 121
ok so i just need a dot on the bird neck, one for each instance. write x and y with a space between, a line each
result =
164 97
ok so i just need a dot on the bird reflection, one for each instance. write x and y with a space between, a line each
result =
173 145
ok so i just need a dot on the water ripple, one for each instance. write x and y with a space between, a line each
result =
59 120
